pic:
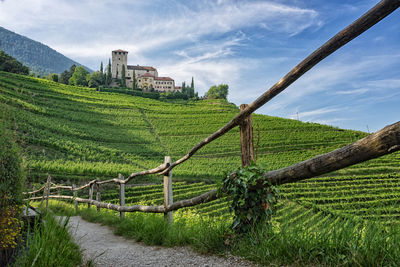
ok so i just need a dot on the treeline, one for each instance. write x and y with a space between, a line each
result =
10 64
79 76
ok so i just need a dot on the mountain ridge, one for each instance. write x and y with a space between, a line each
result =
40 58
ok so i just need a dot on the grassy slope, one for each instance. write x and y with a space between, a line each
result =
78 133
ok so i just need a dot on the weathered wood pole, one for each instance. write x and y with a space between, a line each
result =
246 138
74 193
98 197
91 188
168 199
121 195
48 184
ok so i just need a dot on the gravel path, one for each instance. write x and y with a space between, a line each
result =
98 243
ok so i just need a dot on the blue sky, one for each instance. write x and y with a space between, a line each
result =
248 45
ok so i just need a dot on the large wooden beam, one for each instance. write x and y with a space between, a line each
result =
384 142
366 21
246 139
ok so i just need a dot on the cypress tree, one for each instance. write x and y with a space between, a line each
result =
191 93
108 75
184 88
123 78
102 73
134 86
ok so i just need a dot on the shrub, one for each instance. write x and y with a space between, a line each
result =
11 181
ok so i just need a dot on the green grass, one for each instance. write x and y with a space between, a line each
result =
77 134
49 244
298 235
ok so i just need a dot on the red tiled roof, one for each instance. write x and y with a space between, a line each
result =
147 75
119 50
137 67
163 79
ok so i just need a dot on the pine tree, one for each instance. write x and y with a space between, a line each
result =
123 78
134 85
184 91
108 75
191 91
102 73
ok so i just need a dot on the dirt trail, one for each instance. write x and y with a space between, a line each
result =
98 243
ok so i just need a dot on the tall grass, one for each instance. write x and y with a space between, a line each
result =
341 241
346 243
49 244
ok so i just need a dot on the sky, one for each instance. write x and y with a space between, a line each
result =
249 45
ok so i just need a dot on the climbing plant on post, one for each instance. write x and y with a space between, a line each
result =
251 206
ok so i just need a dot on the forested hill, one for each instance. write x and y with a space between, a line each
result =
40 58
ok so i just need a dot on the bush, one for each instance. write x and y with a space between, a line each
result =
11 181
12 175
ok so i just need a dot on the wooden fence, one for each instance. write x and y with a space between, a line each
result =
383 142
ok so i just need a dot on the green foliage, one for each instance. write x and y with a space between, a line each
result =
10 64
53 77
79 77
218 92
123 77
96 79
49 244
108 74
252 202
66 75
12 178
41 59
12 174
134 83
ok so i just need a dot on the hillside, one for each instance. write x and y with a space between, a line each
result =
78 133
40 58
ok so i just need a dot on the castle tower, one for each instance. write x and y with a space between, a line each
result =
119 58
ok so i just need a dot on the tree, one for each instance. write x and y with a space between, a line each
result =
134 84
184 90
79 77
191 89
108 75
102 74
96 79
66 75
123 78
10 64
53 77
218 92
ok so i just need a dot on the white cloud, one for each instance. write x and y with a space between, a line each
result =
314 113
352 92
91 27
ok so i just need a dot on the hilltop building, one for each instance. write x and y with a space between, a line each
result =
146 77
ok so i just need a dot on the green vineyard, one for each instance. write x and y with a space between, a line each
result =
77 134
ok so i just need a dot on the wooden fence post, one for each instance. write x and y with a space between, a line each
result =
90 194
168 198
74 193
121 195
98 197
48 184
246 139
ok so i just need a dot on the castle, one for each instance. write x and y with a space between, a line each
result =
146 77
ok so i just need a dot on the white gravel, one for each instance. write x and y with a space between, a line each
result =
99 244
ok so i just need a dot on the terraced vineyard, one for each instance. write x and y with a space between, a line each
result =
77 134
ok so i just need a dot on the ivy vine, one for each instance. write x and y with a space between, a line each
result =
252 205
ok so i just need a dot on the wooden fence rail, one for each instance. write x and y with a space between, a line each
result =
381 143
